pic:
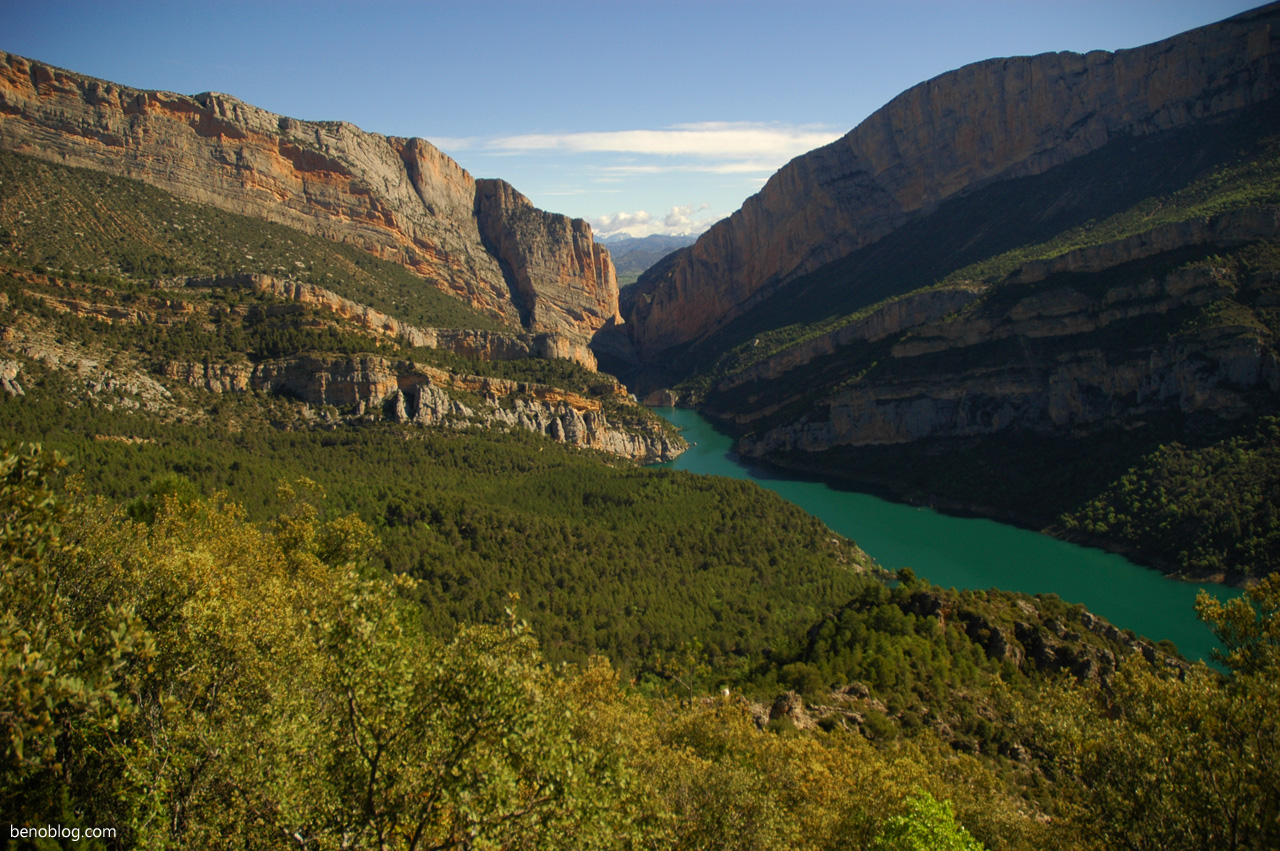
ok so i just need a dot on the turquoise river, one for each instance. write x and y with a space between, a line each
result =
972 553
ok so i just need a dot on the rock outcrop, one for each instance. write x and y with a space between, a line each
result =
993 120
403 391
332 389
1036 640
400 199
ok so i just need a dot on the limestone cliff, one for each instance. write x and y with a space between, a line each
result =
1055 349
561 277
993 120
400 199
404 391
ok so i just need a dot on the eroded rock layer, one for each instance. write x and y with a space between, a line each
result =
1056 349
404 391
469 343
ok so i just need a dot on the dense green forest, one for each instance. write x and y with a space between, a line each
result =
607 558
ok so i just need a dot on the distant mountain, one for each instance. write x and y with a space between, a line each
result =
633 256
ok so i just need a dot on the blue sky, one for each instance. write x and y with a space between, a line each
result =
646 117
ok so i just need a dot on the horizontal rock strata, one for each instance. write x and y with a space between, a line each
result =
1058 360
403 391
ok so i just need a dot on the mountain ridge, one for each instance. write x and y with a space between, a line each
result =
995 119
398 198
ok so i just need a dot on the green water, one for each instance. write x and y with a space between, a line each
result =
973 553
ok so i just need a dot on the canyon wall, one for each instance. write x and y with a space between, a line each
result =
992 120
1048 352
561 277
400 199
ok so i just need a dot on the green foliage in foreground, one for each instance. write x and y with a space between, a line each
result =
259 688
927 825
1193 762
86 224
264 691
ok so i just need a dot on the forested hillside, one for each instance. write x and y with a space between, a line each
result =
227 580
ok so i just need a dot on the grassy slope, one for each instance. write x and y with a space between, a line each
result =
73 220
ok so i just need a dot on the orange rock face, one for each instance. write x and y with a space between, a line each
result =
993 120
562 277
400 199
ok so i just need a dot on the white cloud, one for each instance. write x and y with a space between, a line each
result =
734 140
618 222
654 163
685 219
731 167
680 219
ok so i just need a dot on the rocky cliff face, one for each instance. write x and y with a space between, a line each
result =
403 391
993 120
561 277
1051 351
400 199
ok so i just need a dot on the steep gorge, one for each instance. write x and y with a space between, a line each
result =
1041 289
991 121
